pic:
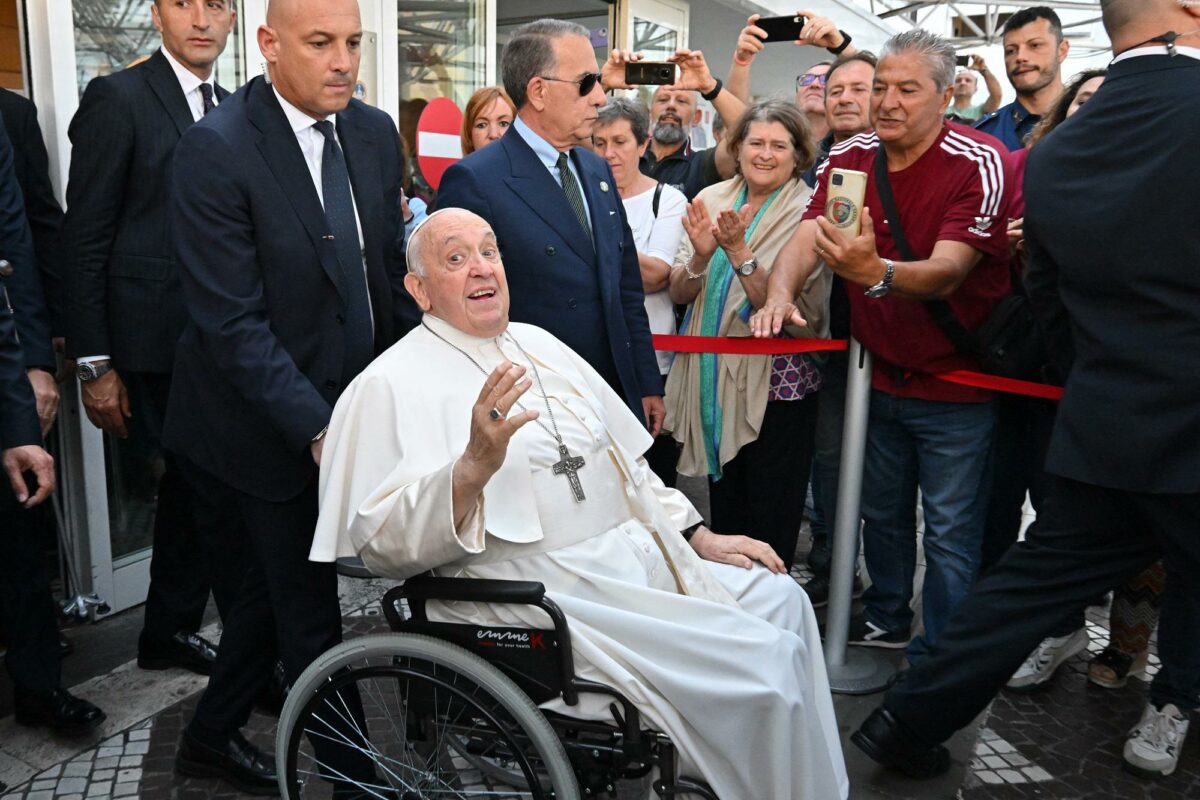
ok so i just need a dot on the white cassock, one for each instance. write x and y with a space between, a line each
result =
724 660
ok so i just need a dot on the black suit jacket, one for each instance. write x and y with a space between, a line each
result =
259 364
1113 226
122 295
590 298
24 287
32 166
18 413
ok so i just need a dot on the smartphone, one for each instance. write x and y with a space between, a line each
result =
845 194
782 29
962 61
649 72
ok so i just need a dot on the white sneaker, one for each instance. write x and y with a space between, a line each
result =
1152 749
1040 665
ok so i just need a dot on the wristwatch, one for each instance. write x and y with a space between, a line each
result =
90 370
885 285
748 266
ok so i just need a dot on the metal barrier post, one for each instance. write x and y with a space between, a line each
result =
856 671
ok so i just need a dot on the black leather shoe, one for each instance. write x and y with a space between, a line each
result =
65 645
238 762
272 697
889 742
185 649
59 710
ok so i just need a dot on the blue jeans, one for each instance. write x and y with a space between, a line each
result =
942 449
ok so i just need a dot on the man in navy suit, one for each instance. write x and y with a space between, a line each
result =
124 308
286 208
1114 281
557 215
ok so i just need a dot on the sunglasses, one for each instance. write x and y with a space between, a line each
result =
809 79
585 84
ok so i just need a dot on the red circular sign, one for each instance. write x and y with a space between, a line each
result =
438 139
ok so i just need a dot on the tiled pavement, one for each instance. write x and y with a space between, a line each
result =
1063 742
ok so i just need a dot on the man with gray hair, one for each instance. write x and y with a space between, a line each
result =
557 214
951 259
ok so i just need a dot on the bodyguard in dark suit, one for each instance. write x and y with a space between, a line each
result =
286 207
1114 277
123 301
557 216
26 607
32 166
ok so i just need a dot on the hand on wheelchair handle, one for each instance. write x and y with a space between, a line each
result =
740 551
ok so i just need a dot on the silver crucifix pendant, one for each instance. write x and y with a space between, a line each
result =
569 465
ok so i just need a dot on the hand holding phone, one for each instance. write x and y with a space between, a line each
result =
846 193
654 73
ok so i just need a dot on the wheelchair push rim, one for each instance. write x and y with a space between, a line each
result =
429 721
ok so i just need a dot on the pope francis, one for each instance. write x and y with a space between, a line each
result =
481 448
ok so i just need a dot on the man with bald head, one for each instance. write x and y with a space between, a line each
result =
286 207
484 448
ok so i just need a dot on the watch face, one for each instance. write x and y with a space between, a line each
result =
747 267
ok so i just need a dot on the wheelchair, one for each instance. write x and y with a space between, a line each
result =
450 710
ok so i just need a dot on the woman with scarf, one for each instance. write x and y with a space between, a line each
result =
748 421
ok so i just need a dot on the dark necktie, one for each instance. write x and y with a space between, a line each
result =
206 93
339 212
574 196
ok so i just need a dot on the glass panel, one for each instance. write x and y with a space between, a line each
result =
441 55
113 34
654 39
12 68
591 14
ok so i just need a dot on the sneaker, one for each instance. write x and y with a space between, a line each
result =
1152 749
865 633
1040 665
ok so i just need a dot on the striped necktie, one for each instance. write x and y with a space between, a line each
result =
574 196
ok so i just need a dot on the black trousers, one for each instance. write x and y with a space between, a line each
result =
762 489
285 609
183 564
33 660
1088 540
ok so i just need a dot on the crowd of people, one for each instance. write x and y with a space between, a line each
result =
337 369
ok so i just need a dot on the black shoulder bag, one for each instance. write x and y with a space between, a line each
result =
1009 342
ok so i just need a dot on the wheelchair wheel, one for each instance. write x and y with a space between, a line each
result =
409 717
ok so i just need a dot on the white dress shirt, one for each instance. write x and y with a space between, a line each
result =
190 83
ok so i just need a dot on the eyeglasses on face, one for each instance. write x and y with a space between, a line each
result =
808 79
586 83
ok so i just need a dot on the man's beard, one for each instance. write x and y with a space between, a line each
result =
1044 78
669 133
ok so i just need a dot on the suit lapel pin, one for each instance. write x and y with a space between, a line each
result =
604 186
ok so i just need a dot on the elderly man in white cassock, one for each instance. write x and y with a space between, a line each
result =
481 448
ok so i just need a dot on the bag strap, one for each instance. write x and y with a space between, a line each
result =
657 197
943 315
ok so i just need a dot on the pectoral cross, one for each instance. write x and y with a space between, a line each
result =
569 465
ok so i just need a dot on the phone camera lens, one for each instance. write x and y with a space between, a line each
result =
666 73
837 180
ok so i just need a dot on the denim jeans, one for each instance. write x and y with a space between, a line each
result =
827 462
942 449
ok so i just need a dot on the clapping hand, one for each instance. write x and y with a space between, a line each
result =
731 229
700 229
740 551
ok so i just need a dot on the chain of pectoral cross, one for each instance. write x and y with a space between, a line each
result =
567 464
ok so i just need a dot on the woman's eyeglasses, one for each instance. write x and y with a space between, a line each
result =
586 83
808 79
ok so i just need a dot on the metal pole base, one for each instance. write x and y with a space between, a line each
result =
864 672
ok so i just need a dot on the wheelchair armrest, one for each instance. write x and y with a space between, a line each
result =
427 587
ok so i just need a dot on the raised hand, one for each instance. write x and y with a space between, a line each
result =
700 229
491 432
